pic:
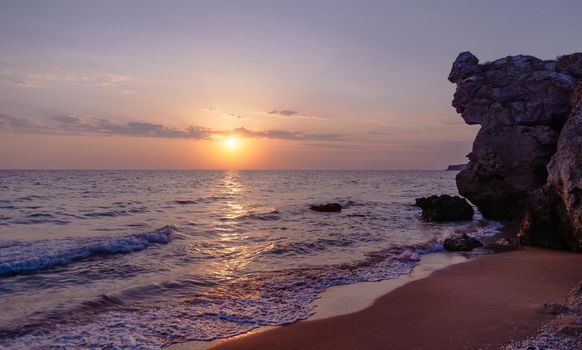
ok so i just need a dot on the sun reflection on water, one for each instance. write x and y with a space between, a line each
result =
236 255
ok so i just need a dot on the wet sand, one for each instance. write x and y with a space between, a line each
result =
480 304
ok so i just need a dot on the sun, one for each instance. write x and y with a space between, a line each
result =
232 143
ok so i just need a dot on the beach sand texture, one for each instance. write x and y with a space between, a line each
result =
481 304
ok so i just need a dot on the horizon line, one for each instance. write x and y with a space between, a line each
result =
225 169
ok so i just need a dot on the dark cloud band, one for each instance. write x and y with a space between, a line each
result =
76 125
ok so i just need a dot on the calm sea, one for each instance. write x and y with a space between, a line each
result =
148 258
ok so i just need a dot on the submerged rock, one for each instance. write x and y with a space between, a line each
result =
461 242
445 208
326 208
521 103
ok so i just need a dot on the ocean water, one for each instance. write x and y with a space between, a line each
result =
144 259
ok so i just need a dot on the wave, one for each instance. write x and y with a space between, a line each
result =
116 213
23 257
227 310
185 201
269 215
241 305
308 247
201 200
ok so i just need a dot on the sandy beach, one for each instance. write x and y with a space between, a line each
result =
480 304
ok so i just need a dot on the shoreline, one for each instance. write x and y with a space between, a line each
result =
350 298
484 303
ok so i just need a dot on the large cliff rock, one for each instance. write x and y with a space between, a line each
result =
554 215
521 103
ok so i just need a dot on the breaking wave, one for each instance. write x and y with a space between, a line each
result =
22 257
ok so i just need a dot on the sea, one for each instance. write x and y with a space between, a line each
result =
145 259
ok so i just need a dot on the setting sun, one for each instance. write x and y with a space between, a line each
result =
232 143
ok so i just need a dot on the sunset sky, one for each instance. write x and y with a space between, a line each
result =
252 84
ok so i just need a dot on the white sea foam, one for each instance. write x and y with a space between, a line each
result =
231 309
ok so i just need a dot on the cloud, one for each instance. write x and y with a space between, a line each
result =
82 125
225 114
26 79
95 79
33 80
285 135
289 113
284 112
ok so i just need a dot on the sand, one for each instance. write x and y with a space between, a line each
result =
481 304
350 298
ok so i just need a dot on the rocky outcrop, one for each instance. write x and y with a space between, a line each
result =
521 103
326 208
460 243
457 167
554 214
445 208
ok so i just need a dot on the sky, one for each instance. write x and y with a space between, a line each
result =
252 84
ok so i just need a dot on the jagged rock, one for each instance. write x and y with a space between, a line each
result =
554 214
445 208
521 103
327 208
461 242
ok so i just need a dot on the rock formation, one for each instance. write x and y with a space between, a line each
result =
521 103
445 208
554 214
526 162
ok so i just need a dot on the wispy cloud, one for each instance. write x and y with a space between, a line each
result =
96 79
285 135
35 79
225 114
82 125
290 113
26 79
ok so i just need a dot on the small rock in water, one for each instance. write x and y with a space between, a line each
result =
445 208
461 242
326 208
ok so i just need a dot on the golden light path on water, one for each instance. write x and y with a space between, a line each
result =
237 256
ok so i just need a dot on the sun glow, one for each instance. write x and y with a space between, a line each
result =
234 152
232 143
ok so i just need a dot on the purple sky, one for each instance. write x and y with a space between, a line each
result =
301 84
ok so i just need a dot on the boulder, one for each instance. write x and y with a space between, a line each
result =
327 208
521 103
461 242
445 208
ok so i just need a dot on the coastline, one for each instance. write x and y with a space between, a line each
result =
483 303
350 298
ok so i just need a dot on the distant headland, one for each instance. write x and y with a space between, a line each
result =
457 167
